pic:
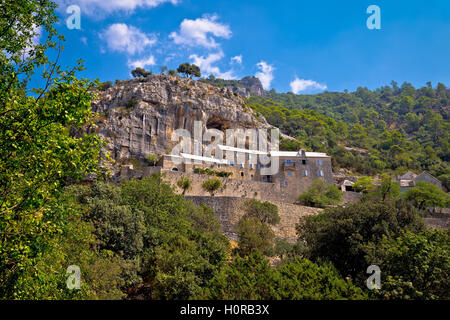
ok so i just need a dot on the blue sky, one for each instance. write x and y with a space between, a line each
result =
301 46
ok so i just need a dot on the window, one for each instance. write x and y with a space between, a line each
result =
319 162
304 161
218 166
305 173
285 183
320 173
241 165
288 163
251 166
232 163
242 174
289 173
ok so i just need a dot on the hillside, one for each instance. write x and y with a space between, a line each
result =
138 116
393 128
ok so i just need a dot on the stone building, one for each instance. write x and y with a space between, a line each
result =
409 180
295 174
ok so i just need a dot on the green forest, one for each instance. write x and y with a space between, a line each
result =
391 129
140 239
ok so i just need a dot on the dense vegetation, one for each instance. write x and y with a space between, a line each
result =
320 195
139 239
393 128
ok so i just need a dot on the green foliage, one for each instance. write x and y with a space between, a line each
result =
426 194
212 185
170 246
388 129
414 266
132 103
189 70
222 174
152 159
342 235
254 235
140 72
320 195
252 278
173 73
285 250
105 85
254 229
42 139
364 184
184 183
303 280
265 212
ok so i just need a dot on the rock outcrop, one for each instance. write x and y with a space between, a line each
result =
253 86
138 116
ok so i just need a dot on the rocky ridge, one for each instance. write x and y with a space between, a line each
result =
138 116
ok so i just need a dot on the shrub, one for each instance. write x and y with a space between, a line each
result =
265 211
152 159
320 194
342 235
184 184
132 103
212 185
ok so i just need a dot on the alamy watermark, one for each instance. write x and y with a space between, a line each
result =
374 281
254 144
74 279
374 20
74 20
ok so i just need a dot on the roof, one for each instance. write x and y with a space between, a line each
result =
298 154
227 148
408 176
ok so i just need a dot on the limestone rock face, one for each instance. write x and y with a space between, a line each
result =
138 117
253 85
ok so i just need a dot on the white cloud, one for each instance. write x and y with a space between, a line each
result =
123 38
237 59
201 32
142 63
100 7
299 85
206 65
84 40
265 75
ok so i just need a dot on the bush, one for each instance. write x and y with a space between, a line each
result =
132 103
152 159
184 184
254 235
342 235
252 278
320 195
265 211
140 72
105 85
222 174
414 266
212 185
426 194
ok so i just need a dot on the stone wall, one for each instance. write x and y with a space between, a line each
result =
229 211
350 197
231 187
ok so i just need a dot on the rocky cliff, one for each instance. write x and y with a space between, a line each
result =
138 116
